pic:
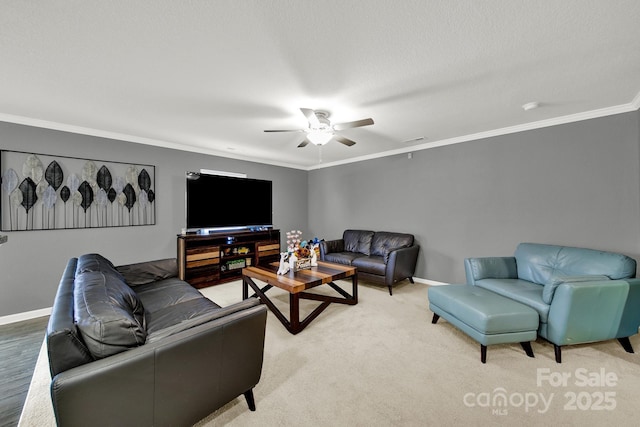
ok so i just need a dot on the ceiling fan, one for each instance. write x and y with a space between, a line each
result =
321 131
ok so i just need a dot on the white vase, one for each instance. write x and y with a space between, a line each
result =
292 261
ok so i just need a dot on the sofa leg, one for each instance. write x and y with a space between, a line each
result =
390 290
248 395
526 346
435 318
411 280
558 352
626 344
483 353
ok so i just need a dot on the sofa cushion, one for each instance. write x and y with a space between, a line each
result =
177 317
343 257
556 280
358 241
371 264
108 314
165 293
384 242
150 271
522 291
538 263
96 262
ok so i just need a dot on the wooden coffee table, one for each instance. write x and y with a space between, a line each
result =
296 284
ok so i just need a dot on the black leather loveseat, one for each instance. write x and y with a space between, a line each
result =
136 346
380 256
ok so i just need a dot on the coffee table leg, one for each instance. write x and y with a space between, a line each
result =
355 288
293 324
294 313
245 288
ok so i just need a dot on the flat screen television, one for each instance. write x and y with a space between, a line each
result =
219 203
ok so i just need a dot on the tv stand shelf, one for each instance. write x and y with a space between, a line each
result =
209 259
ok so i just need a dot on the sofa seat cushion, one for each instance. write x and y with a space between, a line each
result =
191 314
165 293
342 257
176 314
384 242
522 291
108 314
370 264
358 241
149 271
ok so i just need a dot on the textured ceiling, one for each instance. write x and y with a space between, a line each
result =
210 76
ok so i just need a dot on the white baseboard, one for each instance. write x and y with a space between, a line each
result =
429 282
27 315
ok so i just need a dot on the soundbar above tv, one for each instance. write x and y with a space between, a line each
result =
220 203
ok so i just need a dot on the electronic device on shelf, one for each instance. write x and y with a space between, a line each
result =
216 203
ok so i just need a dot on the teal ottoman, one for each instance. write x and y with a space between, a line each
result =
486 317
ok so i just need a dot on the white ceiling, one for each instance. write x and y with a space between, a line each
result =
210 76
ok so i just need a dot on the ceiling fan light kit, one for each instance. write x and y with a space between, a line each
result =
321 131
319 136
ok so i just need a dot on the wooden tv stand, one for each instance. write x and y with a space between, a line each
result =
209 259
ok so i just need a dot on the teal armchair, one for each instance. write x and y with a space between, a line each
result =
581 295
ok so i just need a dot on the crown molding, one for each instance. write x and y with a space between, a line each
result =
587 115
571 118
64 127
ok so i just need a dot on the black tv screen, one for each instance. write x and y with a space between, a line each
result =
216 202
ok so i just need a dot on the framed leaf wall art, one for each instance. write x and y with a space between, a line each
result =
44 192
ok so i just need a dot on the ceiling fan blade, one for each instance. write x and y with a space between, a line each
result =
303 143
311 117
285 130
354 124
343 140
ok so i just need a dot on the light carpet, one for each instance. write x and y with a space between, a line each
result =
382 363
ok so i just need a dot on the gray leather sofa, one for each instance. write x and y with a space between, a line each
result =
136 346
380 256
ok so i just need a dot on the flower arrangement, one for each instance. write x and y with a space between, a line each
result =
299 249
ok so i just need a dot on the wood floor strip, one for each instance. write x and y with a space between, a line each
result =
20 344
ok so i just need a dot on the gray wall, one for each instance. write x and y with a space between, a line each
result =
575 184
32 262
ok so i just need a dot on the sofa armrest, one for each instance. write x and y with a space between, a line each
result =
490 268
330 246
630 321
582 312
401 264
149 271
175 381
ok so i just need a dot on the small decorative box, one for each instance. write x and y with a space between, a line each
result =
302 264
